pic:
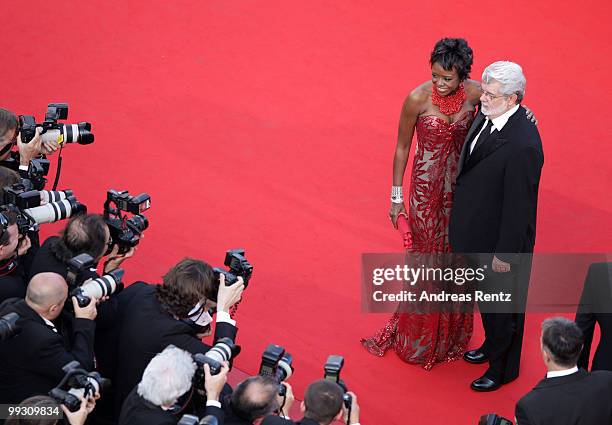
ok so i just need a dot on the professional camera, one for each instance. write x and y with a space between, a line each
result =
194 420
223 351
238 267
333 367
276 363
77 382
23 197
493 419
125 232
51 130
85 291
8 326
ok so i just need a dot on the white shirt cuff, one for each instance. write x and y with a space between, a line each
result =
224 316
23 167
214 403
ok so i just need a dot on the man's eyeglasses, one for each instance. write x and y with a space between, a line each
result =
492 96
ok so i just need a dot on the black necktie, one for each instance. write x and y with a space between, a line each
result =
484 136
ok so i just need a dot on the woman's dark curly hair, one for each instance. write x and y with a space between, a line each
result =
453 53
185 285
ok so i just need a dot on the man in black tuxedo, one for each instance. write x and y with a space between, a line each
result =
151 317
596 307
568 395
31 362
162 395
494 214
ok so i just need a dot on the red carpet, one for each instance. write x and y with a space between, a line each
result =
271 126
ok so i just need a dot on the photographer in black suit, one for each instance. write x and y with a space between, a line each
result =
9 137
13 249
596 308
31 362
151 317
254 398
84 234
568 395
322 405
166 386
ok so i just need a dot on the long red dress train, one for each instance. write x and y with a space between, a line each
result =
430 338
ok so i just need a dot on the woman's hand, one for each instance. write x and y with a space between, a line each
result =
395 211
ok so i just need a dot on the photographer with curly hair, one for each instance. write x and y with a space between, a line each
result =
178 312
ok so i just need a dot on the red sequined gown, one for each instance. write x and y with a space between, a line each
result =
430 338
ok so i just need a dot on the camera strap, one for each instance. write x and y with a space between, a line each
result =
8 266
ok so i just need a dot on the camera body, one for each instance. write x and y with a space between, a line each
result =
51 130
194 420
126 232
93 289
77 382
238 266
8 326
332 368
223 351
276 363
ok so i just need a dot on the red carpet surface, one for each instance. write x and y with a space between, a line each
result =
272 125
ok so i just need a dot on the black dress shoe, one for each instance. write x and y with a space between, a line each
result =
485 384
475 357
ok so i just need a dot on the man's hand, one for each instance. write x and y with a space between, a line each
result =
530 115
80 416
289 399
29 151
354 410
114 259
395 211
228 295
88 312
24 245
49 147
499 266
214 384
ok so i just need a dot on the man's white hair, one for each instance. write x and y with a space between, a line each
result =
509 75
167 376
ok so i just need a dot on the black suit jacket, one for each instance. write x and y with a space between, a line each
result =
138 411
495 199
145 329
581 398
596 307
31 362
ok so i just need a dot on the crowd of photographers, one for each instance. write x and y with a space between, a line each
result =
75 343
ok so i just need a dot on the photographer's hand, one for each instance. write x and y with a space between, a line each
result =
228 295
354 419
29 151
289 399
114 259
24 244
88 312
49 147
80 416
214 384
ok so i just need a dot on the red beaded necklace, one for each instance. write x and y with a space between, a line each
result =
450 104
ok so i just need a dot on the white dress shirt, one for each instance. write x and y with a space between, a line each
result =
498 124
559 373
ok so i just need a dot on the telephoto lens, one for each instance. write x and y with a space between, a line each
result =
55 211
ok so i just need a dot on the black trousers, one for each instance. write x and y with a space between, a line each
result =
504 321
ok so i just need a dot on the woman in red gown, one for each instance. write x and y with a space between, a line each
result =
441 111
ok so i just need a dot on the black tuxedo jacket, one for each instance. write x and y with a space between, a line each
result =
145 329
496 193
138 411
31 362
596 307
581 398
